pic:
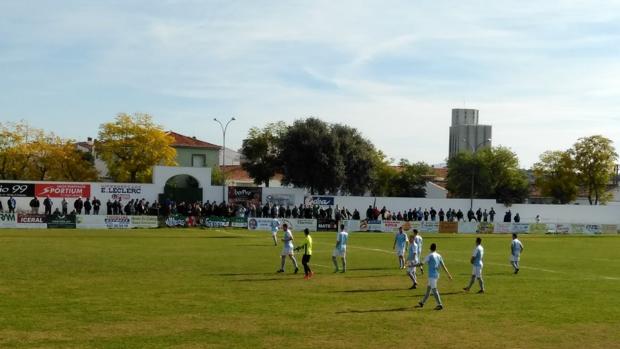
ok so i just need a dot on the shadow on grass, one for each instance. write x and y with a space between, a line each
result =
370 276
372 290
393 310
262 280
370 269
242 274
224 237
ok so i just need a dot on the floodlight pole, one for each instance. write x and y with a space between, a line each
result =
224 128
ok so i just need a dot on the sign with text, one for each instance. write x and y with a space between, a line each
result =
245 195
8 220
319 200
62 190
61 222
16 189
27 220
448 227
468 227
281 199
123 192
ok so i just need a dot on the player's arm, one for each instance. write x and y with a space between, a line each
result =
446 269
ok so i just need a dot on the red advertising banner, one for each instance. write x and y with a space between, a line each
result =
62 190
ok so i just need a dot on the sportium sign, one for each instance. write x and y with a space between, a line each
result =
62 190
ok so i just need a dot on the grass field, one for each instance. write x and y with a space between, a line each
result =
218 289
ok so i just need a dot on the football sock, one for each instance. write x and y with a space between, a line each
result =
437 297
471 281
294 262
481 282
282 263
335 262
428 293
344 264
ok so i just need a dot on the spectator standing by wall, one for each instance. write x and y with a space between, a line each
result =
96 205
47 204
64 205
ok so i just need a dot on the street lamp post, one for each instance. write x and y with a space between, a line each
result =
473 152
224 128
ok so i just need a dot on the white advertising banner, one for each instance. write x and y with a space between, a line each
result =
468 227
123 192
115 222
391 226
502 228
259 224
562 228
351 225
520 228
143 222
609 229
299 224
429 227
8 220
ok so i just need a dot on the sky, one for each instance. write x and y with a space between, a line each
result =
542 73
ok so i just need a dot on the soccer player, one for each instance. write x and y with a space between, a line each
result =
341 249
412 261
275 224
307 247
476 261
400 245
287 249
419 241
516 247
434 261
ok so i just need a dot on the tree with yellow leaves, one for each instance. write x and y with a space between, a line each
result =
132 145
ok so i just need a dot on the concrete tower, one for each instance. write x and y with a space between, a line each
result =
466 134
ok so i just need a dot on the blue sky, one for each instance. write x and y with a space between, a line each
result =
542 73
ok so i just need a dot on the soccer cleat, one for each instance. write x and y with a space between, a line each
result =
420 305
311 274
280 271
439 307
517 271
466 289
335 270
481 291
306 277
413 287
296 270
421 271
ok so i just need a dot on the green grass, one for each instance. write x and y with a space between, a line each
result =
218 289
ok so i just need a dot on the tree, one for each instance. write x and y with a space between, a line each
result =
14 153
310 158
595 158
495 174
261 152
411 180
383 175
217 176
357 156
132 145
556 176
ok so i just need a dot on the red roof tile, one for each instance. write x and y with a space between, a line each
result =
190 142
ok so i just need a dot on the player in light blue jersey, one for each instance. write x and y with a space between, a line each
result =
412 261
400 245
434 262
419 241
275 225
476 261
516 247
340 250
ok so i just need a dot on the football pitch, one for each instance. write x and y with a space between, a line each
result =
217 288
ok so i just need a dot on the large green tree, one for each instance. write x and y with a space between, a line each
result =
556 176
411 180
132 144
310 157
261 152
495 174
595 160
357 155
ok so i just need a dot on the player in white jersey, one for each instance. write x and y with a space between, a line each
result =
516 247
340 250
476 261
287 249
419 241
434 262
275 225
400 245
412 261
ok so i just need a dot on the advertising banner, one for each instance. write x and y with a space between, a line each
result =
238 222
409 226
371 225
351 225
102 222
299 224
429 227
143 222
281 199
520 228
16 189
8 220
27 220
538 228
577 228
486 228
319 200
245 195
62 190
61 222
448 227
259 224
327 225
502 228
391 226
216 222
609 229
562 228
123 192
468 227
176 220
592 229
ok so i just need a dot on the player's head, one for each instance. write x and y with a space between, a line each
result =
341 226
415 232
285 226
400 229
306 232
478 241
433 247
514 236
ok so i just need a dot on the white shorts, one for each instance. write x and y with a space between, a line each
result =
432 283
287 250
514 258
274 233
477 271
339 253
400 252
411 266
